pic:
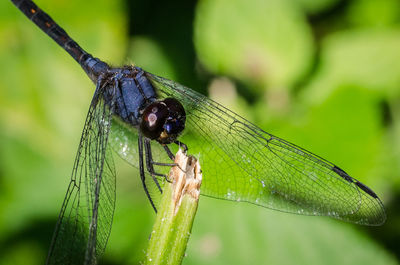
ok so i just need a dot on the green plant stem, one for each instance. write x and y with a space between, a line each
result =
176 213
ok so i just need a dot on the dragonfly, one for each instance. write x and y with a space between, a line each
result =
145 118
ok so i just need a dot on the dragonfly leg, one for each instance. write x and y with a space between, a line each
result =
169 153
142 174
150 163
171 156
180 144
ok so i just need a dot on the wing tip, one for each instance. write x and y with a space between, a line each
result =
359 184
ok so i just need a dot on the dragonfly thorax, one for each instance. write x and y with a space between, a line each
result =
130 93
135 102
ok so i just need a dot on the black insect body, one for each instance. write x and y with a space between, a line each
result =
140 114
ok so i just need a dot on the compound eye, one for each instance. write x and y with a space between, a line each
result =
175 122
153 120
174 126
174 106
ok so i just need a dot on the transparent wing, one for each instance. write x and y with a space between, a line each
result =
124 141
86 215
241 162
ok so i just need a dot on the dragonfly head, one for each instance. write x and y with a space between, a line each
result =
163 120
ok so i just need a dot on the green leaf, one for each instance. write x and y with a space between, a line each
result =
374 13
260 42
147 54
315 6
237 233
367 58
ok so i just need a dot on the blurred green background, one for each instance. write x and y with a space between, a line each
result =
324 74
